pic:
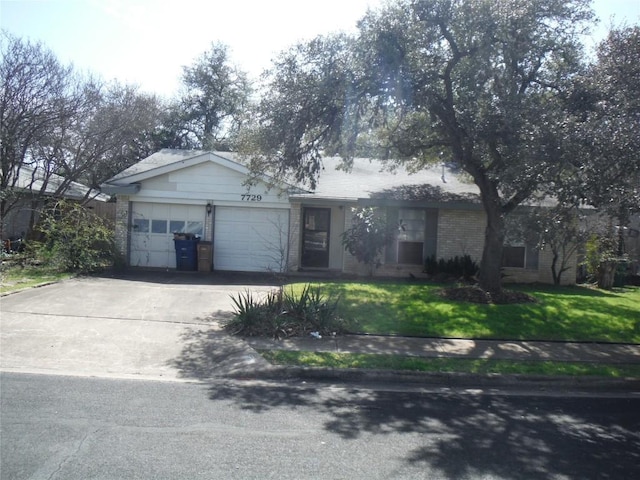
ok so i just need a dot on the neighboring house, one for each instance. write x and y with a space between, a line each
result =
257 228
632 244
29 195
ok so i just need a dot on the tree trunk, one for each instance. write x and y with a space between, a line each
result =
490 277
607 274
554 273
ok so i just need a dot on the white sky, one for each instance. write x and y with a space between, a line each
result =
146 42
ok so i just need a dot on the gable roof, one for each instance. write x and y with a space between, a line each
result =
158 163
169 160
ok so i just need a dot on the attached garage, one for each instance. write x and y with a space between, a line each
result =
203 194
152 231
250 239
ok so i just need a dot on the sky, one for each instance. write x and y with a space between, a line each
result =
147 42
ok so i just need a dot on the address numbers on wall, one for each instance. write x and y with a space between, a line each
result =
247 197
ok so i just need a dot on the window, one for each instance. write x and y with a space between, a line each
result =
410 253
520 256
141 225
411 238
158 226
513 256
176 226
194 228
315 237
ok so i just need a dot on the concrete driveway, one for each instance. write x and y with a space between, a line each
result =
138 325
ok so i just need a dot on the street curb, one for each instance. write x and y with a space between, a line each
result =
445 380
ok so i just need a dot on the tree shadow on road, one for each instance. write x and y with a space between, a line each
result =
499 436
503 436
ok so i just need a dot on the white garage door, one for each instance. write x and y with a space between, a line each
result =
250 239
152 229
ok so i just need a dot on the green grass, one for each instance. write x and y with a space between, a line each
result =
448 365
16 277
564 313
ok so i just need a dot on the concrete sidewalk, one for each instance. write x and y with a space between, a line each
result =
459 348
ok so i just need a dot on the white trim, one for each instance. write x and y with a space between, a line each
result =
167 199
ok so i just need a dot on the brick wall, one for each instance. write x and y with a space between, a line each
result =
122 224
544 268
295 217
461 232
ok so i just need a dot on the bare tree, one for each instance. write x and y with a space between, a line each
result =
33 101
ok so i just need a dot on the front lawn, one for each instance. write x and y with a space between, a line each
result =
14 276
416 309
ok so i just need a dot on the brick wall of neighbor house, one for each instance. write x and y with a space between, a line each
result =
461 232
521 275
395 270
295 217
544 268
122 224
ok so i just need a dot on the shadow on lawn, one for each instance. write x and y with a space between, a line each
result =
506 437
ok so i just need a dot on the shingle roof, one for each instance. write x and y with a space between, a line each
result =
31 180
367 178
372 179
159 159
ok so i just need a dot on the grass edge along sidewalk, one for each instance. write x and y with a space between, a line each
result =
482 366
561 314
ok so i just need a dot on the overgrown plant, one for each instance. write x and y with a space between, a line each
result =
367 237
285 313
602 257
76 239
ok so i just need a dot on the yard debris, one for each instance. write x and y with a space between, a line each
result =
475 294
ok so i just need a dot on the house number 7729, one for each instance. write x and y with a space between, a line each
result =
251 198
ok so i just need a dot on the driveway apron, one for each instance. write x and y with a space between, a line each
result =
161 326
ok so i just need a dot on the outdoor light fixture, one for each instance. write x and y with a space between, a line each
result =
209 208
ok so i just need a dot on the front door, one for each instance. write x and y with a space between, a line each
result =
315 238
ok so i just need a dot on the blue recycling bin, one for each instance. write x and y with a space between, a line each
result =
187 254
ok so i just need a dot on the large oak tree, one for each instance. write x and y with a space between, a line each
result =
213 101
605 128
480 84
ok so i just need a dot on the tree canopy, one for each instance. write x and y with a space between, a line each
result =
213 102
604 125
56 122
480 84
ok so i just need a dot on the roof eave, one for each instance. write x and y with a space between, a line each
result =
129 189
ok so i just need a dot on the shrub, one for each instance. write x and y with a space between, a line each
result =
76 239
458 267
284 313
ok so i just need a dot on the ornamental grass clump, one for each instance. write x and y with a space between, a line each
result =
285 313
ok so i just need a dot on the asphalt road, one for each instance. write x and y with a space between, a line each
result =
65 427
